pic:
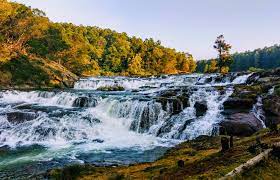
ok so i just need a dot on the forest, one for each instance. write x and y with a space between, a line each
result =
266 58
51 49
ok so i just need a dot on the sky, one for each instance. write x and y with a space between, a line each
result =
186 25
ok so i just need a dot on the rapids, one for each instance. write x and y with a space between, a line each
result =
40 130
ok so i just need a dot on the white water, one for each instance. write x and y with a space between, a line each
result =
259 112
241 79
119 121
63 99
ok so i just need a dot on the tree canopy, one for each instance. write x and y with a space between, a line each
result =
266 58
83 50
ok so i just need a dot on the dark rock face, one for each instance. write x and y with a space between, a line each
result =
266 76
240 124
238 103
21 117
271 106
173 101
85 102
201 108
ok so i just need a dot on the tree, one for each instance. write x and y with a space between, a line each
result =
212 68
135 66
224 57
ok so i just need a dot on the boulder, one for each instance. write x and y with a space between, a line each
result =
272 105
173 101
84 102
239 103
240 124
21 117
200 108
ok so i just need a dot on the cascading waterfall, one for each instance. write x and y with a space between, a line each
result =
259 112
84 123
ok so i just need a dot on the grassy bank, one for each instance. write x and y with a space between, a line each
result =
202 160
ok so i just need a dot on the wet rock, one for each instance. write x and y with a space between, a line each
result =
98 141
85 102
173 101
272 105
21 117
168 125
240 124
111 88
23 106
264 76
238 103
201 108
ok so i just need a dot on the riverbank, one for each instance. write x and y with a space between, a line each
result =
202 159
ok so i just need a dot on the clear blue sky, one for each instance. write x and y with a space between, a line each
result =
187 25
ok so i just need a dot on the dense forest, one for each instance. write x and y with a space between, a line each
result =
34 50
266 58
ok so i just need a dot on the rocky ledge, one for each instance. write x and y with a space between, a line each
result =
261 89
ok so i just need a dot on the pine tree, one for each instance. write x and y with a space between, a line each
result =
224 57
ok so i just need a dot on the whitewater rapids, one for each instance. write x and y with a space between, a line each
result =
87 125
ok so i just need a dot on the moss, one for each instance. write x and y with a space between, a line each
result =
111 88
277 91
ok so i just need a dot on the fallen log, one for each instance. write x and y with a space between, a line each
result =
251 163
248 165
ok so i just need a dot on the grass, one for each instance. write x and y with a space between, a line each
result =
266 170
202 159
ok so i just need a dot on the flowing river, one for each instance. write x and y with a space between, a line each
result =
40 130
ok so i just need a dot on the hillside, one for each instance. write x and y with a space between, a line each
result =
27 51
266 58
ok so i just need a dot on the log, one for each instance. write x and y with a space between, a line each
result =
252 162
248 165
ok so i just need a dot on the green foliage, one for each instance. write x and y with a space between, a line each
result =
22 69
83 50
224 58
266 58
212 67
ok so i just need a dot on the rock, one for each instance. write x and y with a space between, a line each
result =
21 117
264 76
111 88
98 141
201 108
272 105
240 124
84 102
173 101
238 103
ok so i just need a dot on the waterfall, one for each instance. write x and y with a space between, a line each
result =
259 112
151 112
241 79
